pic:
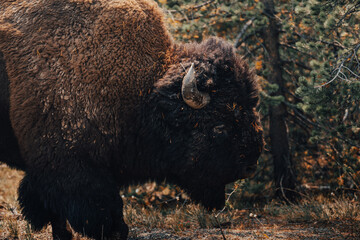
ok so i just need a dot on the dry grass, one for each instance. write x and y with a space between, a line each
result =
317 209
177 219
314 218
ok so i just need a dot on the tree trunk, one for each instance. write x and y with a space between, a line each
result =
284 172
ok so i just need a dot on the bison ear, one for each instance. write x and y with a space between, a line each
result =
190 94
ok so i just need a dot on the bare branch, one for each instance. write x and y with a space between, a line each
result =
189 18
203 4
227 200
339 74
222 232
335 77
194 7
242 32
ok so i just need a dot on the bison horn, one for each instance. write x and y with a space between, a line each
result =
190 93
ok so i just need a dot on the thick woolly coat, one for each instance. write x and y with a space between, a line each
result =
78 63
95 103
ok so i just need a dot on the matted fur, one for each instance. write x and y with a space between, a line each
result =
95 104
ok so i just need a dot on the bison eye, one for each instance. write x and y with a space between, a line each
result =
220 130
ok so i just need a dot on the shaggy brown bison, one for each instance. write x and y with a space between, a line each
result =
101 97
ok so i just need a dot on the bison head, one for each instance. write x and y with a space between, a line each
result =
206 104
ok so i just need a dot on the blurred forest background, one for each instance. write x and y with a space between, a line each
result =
307 57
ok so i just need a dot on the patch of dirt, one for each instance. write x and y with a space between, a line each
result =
286 231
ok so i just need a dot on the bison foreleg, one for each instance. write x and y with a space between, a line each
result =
120 229
36 212
97 212
88 200
31 205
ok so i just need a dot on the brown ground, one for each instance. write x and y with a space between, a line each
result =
240 225
260 230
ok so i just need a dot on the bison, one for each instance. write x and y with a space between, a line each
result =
100 96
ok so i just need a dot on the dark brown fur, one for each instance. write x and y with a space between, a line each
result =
106 49
95 104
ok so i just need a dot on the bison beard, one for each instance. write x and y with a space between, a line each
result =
101 97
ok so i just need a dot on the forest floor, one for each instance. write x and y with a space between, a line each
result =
338 220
